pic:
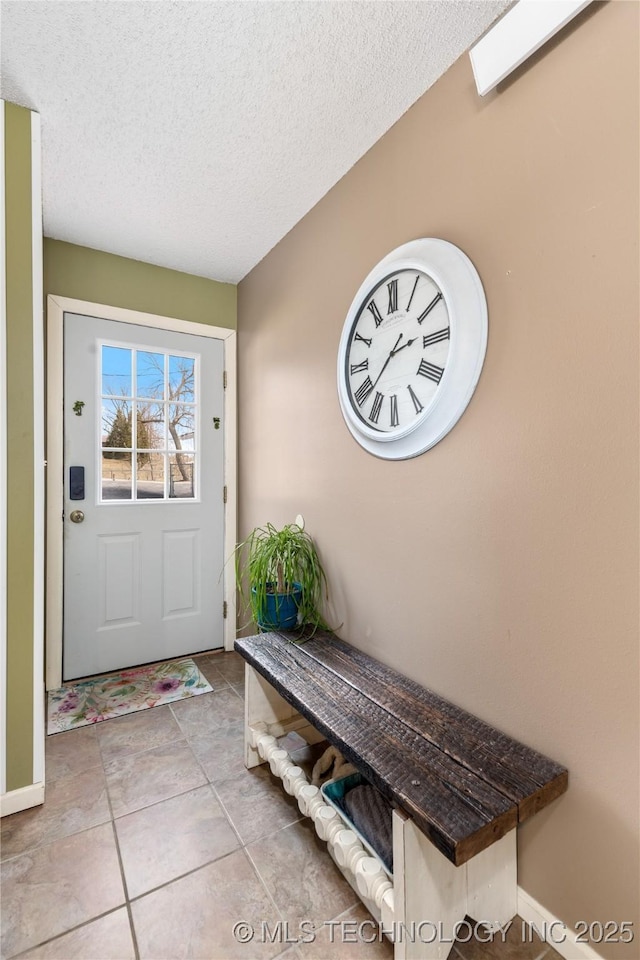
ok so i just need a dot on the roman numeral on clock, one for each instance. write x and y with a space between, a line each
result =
394 410
436 300
359 367
435 337
363 391
377 316
418 406
376 407
392 287
430 371
362 339
412 292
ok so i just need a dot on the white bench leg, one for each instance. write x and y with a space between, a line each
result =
430 895
492 882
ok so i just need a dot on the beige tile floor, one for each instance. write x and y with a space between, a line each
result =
154 841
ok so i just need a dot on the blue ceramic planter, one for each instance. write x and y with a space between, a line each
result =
281 610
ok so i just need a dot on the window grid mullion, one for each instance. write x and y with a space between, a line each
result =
165 394
134 424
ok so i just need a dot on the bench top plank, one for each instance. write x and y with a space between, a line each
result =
526 777
465 783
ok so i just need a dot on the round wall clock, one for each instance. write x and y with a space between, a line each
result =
412 348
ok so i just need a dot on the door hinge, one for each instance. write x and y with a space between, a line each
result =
224 494
224 379
224 609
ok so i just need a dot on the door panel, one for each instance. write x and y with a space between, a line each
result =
142 571
180 571
118 575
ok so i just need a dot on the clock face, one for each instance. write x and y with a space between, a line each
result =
397 352
412 348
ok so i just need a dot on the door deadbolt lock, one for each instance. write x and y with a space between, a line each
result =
76 516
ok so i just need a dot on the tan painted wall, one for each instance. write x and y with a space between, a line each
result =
501 567
74 271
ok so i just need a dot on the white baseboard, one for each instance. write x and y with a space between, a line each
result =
556 933
22 799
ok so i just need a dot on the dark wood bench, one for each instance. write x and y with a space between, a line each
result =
458 785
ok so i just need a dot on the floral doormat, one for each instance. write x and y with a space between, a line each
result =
102 698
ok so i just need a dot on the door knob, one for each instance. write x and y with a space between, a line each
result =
76 516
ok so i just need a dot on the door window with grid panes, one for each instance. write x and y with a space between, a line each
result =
149 424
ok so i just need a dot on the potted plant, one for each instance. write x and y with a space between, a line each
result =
280 578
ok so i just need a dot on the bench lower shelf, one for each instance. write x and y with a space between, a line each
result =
429 896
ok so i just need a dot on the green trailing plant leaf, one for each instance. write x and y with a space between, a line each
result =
272 561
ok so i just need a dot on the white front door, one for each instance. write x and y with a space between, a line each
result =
143 507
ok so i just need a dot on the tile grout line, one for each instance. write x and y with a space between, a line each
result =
116 841
262 836
228 816
293 946
125 886
140 753
216 797
263 884
154 803
182 876
64 836
59 936
243 848
146 806
48 843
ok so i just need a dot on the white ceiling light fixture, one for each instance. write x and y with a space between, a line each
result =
520 32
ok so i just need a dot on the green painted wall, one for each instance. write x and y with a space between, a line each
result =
20 456
85 274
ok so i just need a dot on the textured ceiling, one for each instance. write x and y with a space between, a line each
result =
194 135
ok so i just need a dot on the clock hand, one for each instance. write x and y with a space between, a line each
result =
385 364
407 344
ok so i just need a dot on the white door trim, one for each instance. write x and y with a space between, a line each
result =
3 467
39 572
56 308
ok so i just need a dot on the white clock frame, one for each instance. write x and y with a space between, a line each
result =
455 275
